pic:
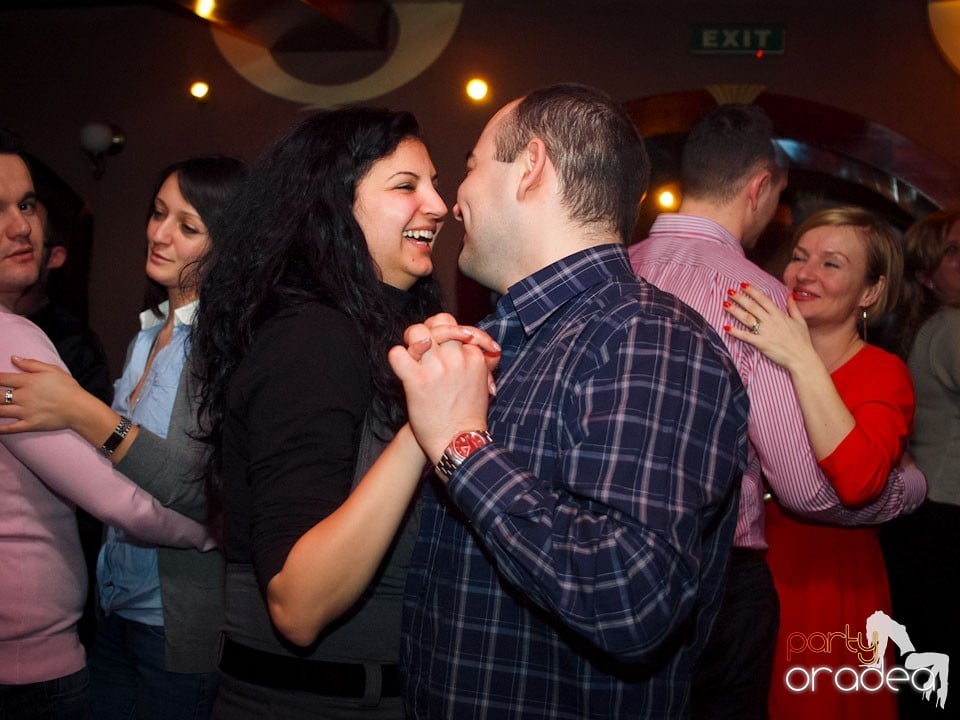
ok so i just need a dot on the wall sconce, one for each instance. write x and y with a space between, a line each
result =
99 140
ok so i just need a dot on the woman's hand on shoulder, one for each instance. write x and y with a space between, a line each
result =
43 397
782 337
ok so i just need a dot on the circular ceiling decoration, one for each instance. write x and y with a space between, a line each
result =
945 22
424 30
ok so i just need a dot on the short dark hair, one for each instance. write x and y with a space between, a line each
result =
64 207
598 152
725 148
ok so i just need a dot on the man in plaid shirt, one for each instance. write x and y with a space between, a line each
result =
571 558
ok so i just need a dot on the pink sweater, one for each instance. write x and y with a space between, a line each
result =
43 476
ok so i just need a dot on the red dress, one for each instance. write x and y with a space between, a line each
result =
830 579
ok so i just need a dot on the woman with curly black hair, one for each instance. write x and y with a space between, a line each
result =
322 261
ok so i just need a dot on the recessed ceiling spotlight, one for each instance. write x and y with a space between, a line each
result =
477 89
199 91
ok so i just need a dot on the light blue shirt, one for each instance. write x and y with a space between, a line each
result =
127 576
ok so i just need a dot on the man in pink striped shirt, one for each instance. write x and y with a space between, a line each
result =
732 182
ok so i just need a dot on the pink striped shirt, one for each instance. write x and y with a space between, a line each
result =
697 260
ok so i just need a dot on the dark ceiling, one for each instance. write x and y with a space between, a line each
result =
281 25
857 158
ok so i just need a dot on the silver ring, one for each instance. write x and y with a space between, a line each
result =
756 328
8 396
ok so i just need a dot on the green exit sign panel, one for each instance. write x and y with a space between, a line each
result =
737 39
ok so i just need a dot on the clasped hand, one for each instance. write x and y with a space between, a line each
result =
447 375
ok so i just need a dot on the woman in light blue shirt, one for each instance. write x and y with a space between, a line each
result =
157 639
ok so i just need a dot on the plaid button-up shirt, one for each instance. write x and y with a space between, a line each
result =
572 568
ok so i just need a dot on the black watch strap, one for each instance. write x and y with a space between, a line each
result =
116 437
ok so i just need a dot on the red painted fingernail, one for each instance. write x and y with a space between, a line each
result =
731 292
744 285
727 328
727 303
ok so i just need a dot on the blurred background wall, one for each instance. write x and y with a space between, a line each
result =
866 85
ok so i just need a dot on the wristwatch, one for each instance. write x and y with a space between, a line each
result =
459 449
116 437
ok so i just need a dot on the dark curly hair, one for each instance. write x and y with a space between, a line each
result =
290 237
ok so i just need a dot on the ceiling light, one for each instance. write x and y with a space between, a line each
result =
199 91
477 89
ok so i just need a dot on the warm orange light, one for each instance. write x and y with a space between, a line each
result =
666 199
477 89
199 90
205 8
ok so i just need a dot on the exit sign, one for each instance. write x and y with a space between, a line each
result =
737 39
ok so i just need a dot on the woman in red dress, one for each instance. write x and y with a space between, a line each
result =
857 402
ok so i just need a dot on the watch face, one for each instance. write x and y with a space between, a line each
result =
465 443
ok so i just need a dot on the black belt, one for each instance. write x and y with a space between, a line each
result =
315 676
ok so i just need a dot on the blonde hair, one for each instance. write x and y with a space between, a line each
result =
884 253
